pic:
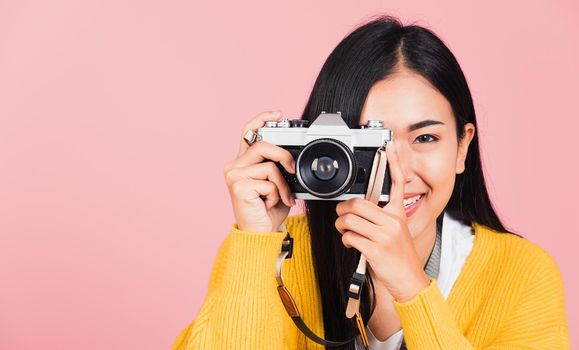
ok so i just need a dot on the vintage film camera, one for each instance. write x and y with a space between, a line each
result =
333 162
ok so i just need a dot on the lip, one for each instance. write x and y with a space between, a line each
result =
411 209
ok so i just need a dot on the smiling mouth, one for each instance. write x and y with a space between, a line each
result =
408 202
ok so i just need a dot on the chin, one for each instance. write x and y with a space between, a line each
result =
414 231
418 223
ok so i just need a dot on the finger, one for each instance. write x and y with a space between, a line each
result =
363 208
397 178
352 222
263 150
252 190
255 124
351 239
263 171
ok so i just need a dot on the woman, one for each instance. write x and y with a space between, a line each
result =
443 272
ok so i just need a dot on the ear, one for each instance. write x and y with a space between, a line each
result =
463 143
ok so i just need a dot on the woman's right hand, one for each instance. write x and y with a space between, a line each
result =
252 174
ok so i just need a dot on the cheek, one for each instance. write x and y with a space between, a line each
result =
437 170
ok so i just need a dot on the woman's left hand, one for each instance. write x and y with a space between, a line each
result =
382 236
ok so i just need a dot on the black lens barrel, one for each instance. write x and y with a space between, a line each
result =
326 168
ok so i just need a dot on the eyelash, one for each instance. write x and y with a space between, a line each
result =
434 138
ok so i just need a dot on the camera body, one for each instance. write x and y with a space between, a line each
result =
333 162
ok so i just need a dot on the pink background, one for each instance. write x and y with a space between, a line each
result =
117 117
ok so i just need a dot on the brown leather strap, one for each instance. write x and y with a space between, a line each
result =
292 308
374 191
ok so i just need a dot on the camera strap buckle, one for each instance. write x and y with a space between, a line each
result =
356 281
288 245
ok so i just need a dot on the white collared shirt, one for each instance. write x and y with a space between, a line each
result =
456 244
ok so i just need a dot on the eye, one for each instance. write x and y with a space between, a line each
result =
426 138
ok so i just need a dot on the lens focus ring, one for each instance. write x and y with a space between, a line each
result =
325 168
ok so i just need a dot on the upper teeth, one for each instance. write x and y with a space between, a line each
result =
409 201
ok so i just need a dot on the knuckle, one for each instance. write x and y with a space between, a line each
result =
399 222
346 238
393 221
274 173
259 145
227 166
255 148
357 203
348 219
228 177
385 241
272 187
271 167
261 115
236 188
338 223
240 187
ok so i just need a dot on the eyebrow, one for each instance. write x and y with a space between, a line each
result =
423 124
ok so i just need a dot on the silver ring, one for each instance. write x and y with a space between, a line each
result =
250 137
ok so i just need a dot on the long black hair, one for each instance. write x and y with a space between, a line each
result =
367 55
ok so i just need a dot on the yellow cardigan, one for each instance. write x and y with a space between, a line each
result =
509 295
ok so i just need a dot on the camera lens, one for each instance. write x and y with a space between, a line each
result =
324 168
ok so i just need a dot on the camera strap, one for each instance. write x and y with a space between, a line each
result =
373 194
289 302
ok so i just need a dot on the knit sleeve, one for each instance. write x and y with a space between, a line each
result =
537 321
428 322
242 309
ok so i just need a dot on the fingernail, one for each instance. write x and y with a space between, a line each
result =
294 166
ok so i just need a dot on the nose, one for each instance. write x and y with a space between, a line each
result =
406 160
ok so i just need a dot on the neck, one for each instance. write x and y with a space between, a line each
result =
424 243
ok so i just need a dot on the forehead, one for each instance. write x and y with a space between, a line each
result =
405 98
